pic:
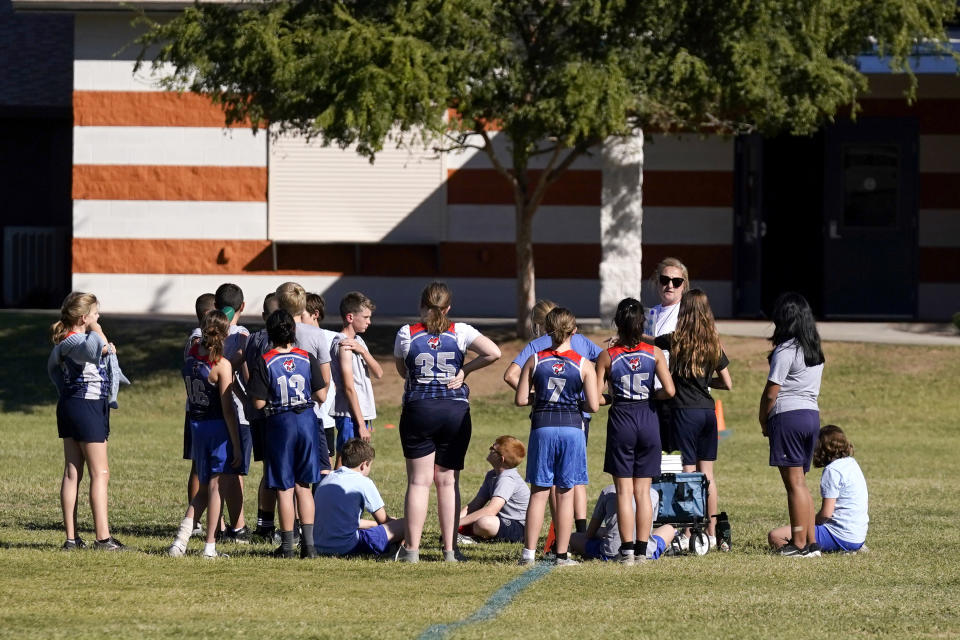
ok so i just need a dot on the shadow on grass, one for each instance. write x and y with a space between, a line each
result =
36 546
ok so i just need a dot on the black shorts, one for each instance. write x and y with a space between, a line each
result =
696 434
257 436
441 426
668 441
83 420
331 437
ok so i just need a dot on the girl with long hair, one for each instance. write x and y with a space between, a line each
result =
435 425
697 364
633 435
78 368
789 414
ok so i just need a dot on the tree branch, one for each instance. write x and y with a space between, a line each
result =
491 153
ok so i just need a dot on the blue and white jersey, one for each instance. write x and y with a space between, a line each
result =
203 397
632 372
558 388
285 380
77 367
433 360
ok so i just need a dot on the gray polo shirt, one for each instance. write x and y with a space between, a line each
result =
509 486
799 384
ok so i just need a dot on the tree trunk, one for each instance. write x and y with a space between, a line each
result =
526 276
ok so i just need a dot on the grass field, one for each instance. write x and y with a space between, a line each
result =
899 405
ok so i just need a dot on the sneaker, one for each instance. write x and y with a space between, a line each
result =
177 549
811 551
713 542
789 550
237 536
526 562
265 534
683 541
565 562
280 552
110 544
627 559
465 539
74 545
197 529
407 555
215 555
549 556
454 555
308 551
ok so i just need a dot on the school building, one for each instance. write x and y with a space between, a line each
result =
141 195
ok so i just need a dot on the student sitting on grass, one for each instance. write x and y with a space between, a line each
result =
602 538
342 497
841 523
499 509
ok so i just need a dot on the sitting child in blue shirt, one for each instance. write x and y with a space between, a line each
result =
342 497
602 538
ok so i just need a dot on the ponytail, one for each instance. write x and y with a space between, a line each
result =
560 325
434 301
214 333
76 305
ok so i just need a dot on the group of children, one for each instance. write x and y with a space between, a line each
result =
300 400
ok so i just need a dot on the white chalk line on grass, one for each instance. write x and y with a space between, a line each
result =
493 606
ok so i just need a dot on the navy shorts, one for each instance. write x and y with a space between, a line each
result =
346 430
695 431
292 455
793 435
323 446
510 530
83 420
258 428
187 438
212 449
557 456
246 447
441 426
633 441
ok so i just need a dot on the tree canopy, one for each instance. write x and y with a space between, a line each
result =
555 76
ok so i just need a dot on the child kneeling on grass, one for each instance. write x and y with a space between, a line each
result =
602 538
342 497
841 523
499 509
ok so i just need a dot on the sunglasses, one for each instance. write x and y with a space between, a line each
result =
665 280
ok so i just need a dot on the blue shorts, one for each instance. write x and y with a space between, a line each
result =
510 530
246 447
831 543
695 432
793 435
436 425
346 430
594 549
83 420
373 541
323 446
633 441
212 449
292 450
557 456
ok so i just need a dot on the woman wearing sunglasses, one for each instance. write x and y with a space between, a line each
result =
672 281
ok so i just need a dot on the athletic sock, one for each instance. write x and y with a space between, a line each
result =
528 554
264 518
640 547
307 533
580 525
210 549
562 556
185 530
286 540
627 547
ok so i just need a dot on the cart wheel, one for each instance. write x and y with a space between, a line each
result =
699 543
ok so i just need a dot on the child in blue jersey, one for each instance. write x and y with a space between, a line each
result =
789 414
342 497
560 383
285 383
841 523
353 366
205 302
435 422
78 368
216 450
587 349
632 455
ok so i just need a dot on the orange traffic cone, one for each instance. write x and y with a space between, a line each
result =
721 423
551 539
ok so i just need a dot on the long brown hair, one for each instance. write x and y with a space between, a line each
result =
434 301
831 445
76 305
695 349
214 332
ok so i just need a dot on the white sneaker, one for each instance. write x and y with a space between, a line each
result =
527 562
215 555
565 562
627 559
177 549
464 539
684 542
197 529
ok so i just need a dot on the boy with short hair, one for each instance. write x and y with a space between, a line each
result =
352 366
316 311
602 538
342 496
499 510
228 298
292 298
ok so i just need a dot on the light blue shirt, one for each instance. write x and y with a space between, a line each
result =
843 480
340 500
583 346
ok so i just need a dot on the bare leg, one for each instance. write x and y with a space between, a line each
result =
564 522
641 489
448 504
779 537
626 515
96 456
799 504
535 510
286 509
70 485
304 503
486 527
231 486
706 468
193 482
580 502
266 497
395 529
214 505
419 478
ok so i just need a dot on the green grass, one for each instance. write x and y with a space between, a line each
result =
899 405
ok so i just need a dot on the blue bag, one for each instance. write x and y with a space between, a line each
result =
683 498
